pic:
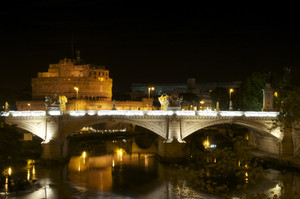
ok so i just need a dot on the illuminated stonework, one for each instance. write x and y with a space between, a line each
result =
63 100
55 125
93 81
164 102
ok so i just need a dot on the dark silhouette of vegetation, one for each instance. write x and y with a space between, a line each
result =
13 150
220 95
189 100
11 96
251 92
287 102
223 171
10 145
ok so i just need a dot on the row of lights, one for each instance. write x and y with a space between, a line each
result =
142 113
231 90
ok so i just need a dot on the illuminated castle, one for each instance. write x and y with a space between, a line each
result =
74 80
86 87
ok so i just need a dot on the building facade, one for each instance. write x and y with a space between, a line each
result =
74 80
85 86
202 90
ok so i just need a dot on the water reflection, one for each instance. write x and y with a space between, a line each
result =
104 172
31 170
122 175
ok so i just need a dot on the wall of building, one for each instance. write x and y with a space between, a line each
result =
86 104
62 78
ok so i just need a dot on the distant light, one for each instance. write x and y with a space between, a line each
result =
90 112
9 171
260 114
185 113
77 113
159 113
207 113
54 112
84 154
120 112
231 113
25 113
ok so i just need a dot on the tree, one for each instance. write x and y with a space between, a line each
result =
189 99
9 143
220 95
287 101
251 92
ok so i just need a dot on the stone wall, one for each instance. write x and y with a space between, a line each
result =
83 104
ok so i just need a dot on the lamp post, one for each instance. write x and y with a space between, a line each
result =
201 104
149 91
76 89
230 101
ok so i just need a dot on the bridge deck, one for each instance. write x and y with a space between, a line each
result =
141 113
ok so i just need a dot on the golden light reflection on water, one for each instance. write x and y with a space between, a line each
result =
97 172
31 170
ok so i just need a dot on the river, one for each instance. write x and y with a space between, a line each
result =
125 176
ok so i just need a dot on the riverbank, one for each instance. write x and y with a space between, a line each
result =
280 162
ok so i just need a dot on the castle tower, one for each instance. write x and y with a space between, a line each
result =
62 78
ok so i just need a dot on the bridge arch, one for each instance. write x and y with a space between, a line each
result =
36 126
259 126
71 125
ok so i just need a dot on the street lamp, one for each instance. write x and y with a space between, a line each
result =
149 91
201 104
76 89
230 101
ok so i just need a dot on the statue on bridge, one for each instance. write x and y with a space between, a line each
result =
63 100
164 102
172 102
55 103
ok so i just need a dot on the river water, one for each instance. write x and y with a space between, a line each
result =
124 176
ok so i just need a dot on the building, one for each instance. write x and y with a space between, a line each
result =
85 86
73 79
202 90
191 86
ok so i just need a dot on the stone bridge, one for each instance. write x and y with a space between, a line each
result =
54 126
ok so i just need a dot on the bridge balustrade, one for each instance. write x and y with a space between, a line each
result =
141 113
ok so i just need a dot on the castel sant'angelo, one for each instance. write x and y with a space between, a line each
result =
83 86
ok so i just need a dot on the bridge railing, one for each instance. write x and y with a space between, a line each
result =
141 113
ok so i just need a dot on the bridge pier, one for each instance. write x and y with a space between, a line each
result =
172 152
55 151
287 143
55 146
296 140
174 131
265 143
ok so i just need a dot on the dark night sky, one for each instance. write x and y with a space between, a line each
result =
147 42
